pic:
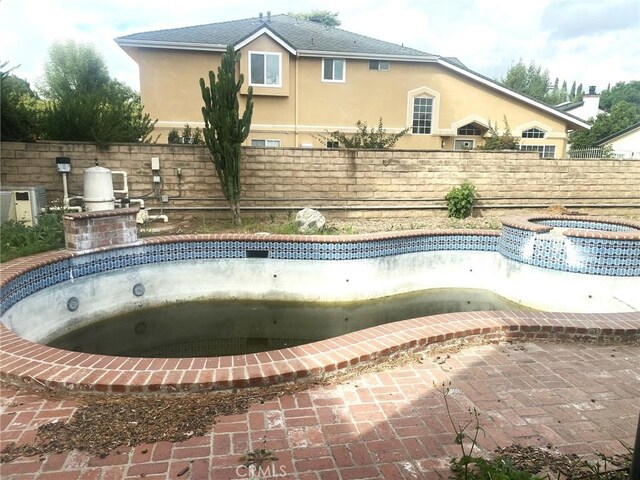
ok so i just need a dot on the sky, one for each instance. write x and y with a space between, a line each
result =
594 42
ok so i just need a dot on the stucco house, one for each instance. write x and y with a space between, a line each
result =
308 79
625 143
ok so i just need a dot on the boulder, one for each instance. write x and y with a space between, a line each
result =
309 220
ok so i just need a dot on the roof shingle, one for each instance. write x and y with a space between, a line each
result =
300 34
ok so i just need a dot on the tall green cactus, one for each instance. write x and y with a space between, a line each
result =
224 130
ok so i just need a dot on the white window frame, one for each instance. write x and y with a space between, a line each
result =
535 133
268 142
333 71
427 92
426 97
337 144
380 62
265 54
543 150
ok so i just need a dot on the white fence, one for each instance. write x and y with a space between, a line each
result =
604 152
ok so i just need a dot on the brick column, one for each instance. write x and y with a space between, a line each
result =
88 230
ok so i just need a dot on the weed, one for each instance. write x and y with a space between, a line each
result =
19 240
460 200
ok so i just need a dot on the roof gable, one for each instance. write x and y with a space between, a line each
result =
306 38
299 35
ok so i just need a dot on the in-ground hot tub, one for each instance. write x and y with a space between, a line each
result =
594 266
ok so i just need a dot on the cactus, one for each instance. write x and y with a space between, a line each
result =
224 129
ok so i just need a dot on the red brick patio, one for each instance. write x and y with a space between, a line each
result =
392 424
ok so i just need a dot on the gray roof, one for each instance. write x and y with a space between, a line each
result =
297 33
309 38
565 107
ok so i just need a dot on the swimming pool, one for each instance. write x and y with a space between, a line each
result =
596 271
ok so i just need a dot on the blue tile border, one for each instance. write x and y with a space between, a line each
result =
521 241
100 262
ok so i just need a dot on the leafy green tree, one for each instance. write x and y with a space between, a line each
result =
623 114
224 128
84 103
534 82
373 138
20 108
325 17
530 80
621 91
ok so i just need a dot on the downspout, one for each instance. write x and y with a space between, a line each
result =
295 126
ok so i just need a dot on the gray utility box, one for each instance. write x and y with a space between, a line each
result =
22 204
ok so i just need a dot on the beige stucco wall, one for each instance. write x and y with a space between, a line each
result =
305 106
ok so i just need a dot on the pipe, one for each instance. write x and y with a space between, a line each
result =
389 207
153 218
125 183
427 199
634 473
65 209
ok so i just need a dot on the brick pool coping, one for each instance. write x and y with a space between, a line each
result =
529 223
26 362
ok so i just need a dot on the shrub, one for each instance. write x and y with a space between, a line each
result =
187 136
460 200
500 141
365 137
18 240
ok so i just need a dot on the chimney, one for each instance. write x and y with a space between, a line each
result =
591 105
268 16
260 16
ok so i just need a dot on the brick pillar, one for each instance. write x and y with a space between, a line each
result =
88 230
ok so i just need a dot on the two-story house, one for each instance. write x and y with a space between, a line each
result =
308 79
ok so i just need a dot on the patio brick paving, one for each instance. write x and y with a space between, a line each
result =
577 397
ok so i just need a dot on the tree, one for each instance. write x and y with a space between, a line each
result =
20 108
375 139
534 82
224 129
325 17
622 91
623 114
84 103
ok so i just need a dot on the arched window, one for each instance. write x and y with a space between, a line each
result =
533 133
470 129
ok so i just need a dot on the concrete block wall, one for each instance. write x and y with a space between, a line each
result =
350 183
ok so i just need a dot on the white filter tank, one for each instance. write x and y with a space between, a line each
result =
98 189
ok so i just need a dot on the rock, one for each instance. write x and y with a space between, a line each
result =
309 220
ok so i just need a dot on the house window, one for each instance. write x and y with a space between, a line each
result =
382 65
333 144
469 129
533 133
545 151
422 115
333 70
463 144
256 142
265 69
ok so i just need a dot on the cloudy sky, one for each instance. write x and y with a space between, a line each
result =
595 42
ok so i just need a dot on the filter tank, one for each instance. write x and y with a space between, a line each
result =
98 189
